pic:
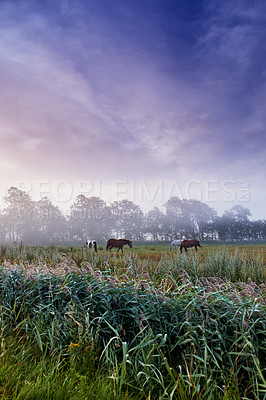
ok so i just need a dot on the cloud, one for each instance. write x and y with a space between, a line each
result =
132 90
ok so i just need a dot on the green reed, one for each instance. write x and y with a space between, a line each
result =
142 325
154 345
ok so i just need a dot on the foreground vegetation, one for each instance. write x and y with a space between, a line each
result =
146 324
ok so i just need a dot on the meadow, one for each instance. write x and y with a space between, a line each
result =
143 324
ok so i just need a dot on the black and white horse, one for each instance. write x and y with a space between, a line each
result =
91 244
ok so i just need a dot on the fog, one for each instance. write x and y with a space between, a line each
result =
90 218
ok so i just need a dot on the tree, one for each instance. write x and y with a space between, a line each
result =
177 220
188 218
155 223
3 228
18 214
50 223
201 216
89 218
128 220
238 224
257 230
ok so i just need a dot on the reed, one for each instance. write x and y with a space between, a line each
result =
185 326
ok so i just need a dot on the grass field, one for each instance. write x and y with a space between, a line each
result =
146 323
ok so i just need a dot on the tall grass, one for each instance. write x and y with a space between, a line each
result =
181 327
236 266
28 374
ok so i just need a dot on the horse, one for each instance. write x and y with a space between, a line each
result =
189 243
92 244
118 243
175 243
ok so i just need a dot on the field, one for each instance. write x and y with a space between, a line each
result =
143 324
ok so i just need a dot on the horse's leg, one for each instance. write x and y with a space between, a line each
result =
196 248
180 249
186 249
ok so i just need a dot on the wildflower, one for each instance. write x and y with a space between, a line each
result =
71 346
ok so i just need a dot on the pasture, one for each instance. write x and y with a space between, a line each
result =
148 323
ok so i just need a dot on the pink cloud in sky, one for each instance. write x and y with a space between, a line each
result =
133 91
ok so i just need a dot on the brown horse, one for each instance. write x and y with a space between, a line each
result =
118 243
189 243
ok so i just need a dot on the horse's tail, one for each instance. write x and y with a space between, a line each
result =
95 246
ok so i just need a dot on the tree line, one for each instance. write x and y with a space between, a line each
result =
41 222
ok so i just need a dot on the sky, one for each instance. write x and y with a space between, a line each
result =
137 99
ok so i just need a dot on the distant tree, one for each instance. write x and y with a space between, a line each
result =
237 222
210 230
223 226
89 218
201 216
263 229
257 230
155 223
188 218
50 223
3 229
178 222
239 213
18 215
128 220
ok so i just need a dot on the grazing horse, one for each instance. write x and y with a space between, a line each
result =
92 244
189 243
118 243
175 243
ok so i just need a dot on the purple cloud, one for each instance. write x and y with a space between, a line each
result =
161 90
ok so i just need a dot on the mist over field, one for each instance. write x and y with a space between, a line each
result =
91 218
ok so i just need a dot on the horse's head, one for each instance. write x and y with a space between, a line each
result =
130 244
